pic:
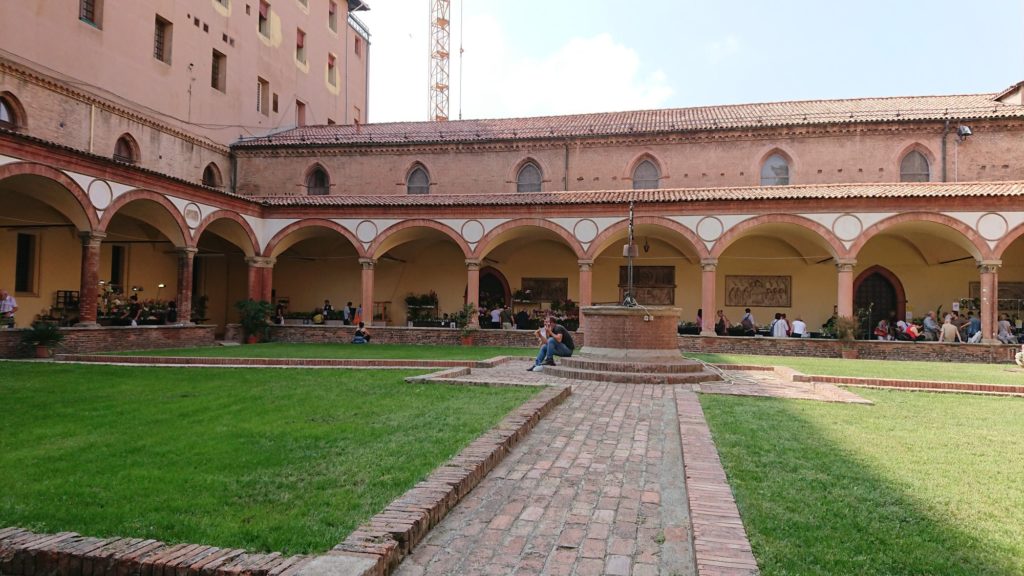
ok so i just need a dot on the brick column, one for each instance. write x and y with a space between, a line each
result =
708 267
988 270
844 294
586 289
261 277
88 290
186 257
368 265
473 288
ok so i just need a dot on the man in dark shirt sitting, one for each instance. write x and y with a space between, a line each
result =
559 344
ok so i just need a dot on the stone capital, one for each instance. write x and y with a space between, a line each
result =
260 261
585 265
472 264
709 264
186 250
367 263
92 239
989 266
845 264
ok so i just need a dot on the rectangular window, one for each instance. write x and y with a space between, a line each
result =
332 70
264 25
300 113
26 264
300 45
332 16
224 3
118 259
359 46
162 40
263 96
91 12
219 72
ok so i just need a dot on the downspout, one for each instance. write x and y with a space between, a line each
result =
566 186
945 132
234 172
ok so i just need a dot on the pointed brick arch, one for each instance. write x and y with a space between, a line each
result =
741 230
87 219
374 250
250 249
272 246
183 238
976 245
491 240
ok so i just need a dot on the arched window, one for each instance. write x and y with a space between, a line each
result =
126 150
419 181
318 183
211 176
775 171
646 176
8 116
529 178
914 168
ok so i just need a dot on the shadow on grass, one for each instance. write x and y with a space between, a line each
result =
819 497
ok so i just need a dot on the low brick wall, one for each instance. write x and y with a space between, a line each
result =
866 349
116 338
403 335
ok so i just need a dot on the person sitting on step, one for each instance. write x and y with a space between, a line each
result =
559 343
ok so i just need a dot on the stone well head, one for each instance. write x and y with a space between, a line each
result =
632 333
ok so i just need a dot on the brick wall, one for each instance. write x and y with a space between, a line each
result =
617 327
866 349
111 339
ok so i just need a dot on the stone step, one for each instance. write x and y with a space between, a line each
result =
563 371
674 367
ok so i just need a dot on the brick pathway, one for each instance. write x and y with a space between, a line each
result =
598 486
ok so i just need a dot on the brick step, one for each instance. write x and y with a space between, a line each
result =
674 367
639 377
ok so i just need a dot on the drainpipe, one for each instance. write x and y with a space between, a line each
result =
234 172
566 186
945 132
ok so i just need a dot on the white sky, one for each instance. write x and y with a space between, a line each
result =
534 58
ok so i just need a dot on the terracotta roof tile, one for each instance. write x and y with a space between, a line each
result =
912 108
827 191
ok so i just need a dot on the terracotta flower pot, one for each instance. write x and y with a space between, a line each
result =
466 340
252 339
42 351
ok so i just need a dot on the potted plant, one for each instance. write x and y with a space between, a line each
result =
41 338
846 331
462 320
254 316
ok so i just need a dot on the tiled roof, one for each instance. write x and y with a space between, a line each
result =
913 108
825 191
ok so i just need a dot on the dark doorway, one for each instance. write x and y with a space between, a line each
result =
493 289
879 290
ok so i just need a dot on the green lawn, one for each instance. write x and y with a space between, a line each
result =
1006 374
285 460
345 350
917 484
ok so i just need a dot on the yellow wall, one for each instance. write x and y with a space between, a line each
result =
59 268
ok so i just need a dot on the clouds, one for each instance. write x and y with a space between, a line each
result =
500 78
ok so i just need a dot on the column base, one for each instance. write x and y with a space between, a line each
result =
708 333
86 325
993 341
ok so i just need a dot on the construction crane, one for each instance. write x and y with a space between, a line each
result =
440 39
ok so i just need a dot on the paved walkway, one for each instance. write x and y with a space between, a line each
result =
600 487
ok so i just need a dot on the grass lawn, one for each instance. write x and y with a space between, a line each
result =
917 484
285 460
322 351
1007 374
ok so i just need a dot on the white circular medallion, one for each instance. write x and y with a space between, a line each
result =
585 230
192 214
710 228
472 231
366 231
847 227
992 226
100 194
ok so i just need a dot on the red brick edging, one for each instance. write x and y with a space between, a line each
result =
720 542
965 387
279 362
393 533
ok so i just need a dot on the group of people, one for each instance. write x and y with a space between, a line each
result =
349 315
779 328
955 327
